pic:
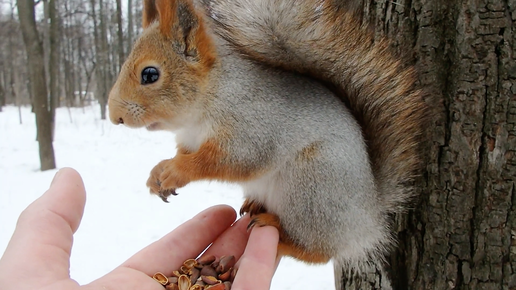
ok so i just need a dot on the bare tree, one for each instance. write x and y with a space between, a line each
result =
54 60
84 47
130 28
103 74
2 96
51 51
38 86
13 67
120 35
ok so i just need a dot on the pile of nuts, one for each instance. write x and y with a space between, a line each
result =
207 272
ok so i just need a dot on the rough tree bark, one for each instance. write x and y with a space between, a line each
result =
38 86
462 232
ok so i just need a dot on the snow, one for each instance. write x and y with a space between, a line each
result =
120 216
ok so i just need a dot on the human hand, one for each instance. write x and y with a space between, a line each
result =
38 255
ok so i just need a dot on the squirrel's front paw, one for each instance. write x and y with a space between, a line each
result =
165 179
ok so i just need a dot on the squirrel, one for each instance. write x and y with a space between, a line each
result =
326 169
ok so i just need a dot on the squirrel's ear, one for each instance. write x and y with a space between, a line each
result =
150 13
179 19
168 15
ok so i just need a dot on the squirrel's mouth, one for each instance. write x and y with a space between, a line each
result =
153 126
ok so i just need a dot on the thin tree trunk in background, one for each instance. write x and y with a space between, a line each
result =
2 96
102 65
130 30
462 232
120 34
12 90
38 84
52 56
96 38
69 84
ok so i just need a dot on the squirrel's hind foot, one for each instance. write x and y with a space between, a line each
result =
252 207
286 247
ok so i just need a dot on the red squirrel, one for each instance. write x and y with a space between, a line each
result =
327 176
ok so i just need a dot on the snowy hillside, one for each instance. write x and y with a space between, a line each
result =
120 216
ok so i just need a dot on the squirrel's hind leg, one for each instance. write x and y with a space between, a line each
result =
286 247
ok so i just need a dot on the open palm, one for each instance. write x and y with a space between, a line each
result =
38 255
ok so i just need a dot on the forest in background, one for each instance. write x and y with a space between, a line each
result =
90 39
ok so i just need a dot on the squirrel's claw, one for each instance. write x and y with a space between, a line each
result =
164 194
163 197
251 224
252 207
264 219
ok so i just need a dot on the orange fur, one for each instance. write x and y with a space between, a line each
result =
206 49
309 152
190 56
167 10
150 14
206 163
169 22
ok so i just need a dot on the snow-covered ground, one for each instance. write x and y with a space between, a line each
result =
120 216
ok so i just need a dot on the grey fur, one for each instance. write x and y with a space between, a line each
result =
328 204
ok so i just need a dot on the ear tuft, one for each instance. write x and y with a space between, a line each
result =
189 23
150 13
168 17
179 21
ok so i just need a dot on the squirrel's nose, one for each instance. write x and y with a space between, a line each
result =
114 118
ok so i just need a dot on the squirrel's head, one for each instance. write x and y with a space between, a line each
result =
166 73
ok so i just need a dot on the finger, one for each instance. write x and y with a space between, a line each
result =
42 241
232 241
185 242
124 278
259 261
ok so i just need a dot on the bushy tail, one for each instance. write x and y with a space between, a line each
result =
321 39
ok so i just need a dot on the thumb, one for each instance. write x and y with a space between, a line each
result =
39 250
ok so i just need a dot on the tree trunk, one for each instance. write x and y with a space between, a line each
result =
51 52
120 35
38 86
462 232
54 57
130 30
2 96
102 70
11 61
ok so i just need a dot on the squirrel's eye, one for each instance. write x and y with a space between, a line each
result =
150 75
